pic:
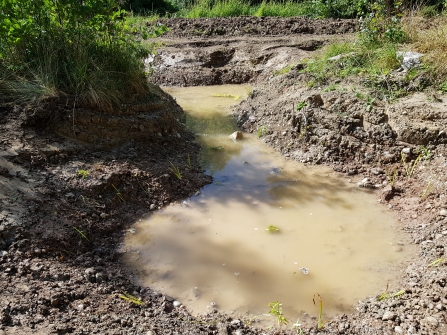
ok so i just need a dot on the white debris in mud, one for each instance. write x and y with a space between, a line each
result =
304 270
410 59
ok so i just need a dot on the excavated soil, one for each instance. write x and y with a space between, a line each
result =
73 180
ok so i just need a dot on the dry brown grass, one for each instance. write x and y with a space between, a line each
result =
429 36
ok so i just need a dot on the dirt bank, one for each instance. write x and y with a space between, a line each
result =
66 200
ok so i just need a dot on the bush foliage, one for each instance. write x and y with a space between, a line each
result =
80 50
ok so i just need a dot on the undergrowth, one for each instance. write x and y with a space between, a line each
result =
84 52
373 54
288 8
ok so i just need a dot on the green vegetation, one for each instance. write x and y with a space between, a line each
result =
385 295
276 311
409 168
297 327
262 131
320 322
373 54
82 52
176 171
427 189
272 229
83 173
391 177
437 262
131 298
316 8
188 162
118 194
81 233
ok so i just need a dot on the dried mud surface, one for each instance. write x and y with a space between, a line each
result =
56 280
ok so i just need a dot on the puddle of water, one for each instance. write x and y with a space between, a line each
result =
215 247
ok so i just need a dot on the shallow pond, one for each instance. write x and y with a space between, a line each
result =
215 249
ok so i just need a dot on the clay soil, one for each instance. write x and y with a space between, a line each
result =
73 180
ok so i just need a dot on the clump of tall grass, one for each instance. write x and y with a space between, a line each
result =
224 8
428 36
284 9
341 60
80 51
281 8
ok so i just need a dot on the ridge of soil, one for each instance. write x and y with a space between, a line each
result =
60 269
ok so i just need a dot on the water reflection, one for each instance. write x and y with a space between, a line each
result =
215 248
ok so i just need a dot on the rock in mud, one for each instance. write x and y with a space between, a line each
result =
388 193
388 315
237 135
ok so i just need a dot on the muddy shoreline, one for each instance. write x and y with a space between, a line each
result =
60 228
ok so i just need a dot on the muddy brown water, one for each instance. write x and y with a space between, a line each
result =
214 250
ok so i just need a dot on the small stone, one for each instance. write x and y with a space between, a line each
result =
90 271
443 212
399 330
235 322
377 171
176 303
152 207
388 315
432 321
238 332
103 215
69 195
99 277
237 135
406 151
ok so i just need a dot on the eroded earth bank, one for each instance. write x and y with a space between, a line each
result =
72 181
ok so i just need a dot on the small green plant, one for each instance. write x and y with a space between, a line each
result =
251 320
176 171
284 70
301 105
391 177
370 104
276 311
443 87
428 189
131 298
297 327
437 262
83 173
330 88
81 233
272 229
189 162
425 153
409 168
320 322
385 295
262 131
118 194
